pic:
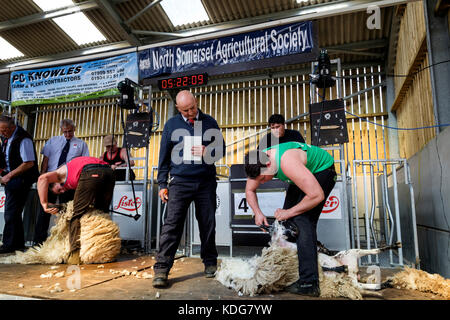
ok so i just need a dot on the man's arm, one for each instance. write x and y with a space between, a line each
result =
44 165
164 161
216 148
124 156
24 166
85 152
252 201
44 181
27 155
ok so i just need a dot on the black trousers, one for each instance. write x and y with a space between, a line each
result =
95 188
43 219
181 194
16 191
307 225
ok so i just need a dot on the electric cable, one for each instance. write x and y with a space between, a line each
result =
395 128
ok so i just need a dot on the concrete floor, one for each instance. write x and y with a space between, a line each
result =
119 281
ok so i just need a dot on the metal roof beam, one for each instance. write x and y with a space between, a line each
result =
312 12
356 53
137 15
42 16
360 45
352 48
117 22
158 33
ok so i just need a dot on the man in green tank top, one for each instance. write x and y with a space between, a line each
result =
310 172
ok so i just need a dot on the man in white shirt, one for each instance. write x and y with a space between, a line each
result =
54 147
57 151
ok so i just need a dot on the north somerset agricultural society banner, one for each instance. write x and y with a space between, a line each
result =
241 48
89 80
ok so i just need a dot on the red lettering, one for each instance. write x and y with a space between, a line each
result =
128 203
331 204
2 201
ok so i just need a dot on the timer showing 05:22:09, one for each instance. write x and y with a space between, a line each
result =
183 81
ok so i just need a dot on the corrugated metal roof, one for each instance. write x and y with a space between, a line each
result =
22 24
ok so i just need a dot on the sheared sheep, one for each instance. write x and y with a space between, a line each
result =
99 240
276 268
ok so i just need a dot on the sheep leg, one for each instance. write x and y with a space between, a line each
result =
393 247
339 269
363 252
368 293
369 286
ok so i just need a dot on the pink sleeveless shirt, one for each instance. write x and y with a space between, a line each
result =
74 168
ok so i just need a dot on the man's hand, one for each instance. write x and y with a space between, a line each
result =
164 195
261 219
281 214
6 178
52 210
198 150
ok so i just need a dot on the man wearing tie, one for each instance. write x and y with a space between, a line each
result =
190 180
20 171
57 151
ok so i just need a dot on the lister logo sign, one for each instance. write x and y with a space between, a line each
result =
2 201
126 203
331 204
123 202
332 207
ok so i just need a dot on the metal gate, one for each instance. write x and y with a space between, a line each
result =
377 217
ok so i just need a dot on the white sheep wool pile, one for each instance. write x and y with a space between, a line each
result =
338 285
276 268
420 280
99 241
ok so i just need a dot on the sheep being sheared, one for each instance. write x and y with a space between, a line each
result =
277 268
99 241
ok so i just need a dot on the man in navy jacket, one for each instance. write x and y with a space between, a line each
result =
191 142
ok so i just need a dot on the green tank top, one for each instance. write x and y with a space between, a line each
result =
317 159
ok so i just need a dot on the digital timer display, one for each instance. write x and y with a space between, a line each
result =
183 81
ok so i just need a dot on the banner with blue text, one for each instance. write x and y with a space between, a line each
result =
241 48
88 80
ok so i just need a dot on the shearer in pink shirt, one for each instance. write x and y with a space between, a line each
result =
93 182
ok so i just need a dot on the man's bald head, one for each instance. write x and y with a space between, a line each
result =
184 96
187 104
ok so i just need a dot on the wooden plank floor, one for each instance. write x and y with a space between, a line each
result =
116 281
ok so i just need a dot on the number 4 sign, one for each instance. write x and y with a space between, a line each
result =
268 202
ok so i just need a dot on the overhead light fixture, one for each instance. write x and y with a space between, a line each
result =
48 5
184 12
77 26
8 51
